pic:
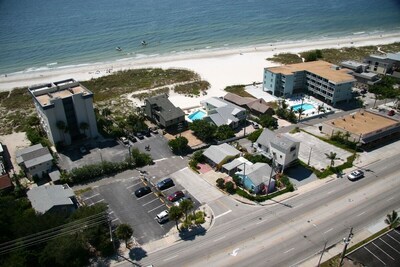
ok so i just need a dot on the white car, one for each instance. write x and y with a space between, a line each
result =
355 175
162 216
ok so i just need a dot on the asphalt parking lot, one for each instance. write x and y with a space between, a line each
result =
140 213
383 251
111 150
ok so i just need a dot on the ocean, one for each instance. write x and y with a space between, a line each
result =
45 34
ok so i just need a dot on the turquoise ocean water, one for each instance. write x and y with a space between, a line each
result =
43 34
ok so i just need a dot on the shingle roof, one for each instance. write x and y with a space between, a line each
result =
259 105
281 141
238 100
167 110
33 155
218 153
5 181
44 197
258 173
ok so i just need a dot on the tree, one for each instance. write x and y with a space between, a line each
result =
178 145
254 135
300 111
84 126
203 129
141 159
393 220
106 112
224 132
320 109
331 156
124 232
220 183
186 205
230 187
384 89
268 121
175 214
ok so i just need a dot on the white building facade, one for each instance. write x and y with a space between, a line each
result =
65 110
319 78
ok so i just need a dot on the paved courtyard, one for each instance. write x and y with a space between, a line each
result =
313 150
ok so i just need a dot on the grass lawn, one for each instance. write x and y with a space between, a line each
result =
238 90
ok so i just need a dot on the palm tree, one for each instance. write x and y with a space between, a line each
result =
320 109
301 111
124 232
84 126
347 136
392 219
186 205
106 112
175 214
332 157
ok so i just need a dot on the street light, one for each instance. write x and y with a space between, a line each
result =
326 242
346 243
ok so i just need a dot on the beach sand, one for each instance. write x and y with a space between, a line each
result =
220 67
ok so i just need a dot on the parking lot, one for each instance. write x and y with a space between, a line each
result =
111 150
383 251
140 213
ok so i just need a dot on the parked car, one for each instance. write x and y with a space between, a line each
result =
147 133
162 217
176 196
124 140
83 149
142 191
179 201
355 175
391 112
139 135
164 184
132 138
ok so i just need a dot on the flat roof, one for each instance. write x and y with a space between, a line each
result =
320 68
63 93
362 122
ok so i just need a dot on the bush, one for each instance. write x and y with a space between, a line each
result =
179 145
198 156
230 187
254 135
221 183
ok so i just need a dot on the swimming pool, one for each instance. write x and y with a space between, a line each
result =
198 115
305 106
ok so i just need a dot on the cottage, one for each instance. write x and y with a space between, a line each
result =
221 112
35 160
257 178
221 154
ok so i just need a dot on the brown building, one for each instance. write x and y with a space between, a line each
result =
257 107
365 127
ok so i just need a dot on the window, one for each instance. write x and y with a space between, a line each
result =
280 156
293 148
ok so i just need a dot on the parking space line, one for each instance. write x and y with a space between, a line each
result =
327 231
382 250
157 160
155 208
150 202
389 199
95 195
392 238
389 245
375 255
116 219
101 200
133 185
111 212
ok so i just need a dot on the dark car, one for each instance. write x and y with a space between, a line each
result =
355 175
164 184
142 191
391 112
175 196
147 133
132 138
139 135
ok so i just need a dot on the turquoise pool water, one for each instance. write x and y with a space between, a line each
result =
305 106
198 115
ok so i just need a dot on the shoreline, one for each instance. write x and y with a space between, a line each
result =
220 67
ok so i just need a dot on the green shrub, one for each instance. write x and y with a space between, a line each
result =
230 187
254 135
221 183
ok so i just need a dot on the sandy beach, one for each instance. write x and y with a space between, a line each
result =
219 67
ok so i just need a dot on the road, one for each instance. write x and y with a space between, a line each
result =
285 235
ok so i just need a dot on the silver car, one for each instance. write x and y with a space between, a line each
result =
355 175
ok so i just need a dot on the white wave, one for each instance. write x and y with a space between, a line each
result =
52 64
358 33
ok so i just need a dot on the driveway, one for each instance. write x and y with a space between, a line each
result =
197 186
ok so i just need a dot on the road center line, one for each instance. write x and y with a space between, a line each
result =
288 250
327 231
361 213
150 202
218 239
222 214
260 222
389 199
155 208
170 258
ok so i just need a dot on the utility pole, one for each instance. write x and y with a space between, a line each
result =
270 175
346 243
309 156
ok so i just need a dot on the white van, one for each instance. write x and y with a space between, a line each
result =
162 216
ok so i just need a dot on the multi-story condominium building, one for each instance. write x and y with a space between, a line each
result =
384 64
65 109
321 79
